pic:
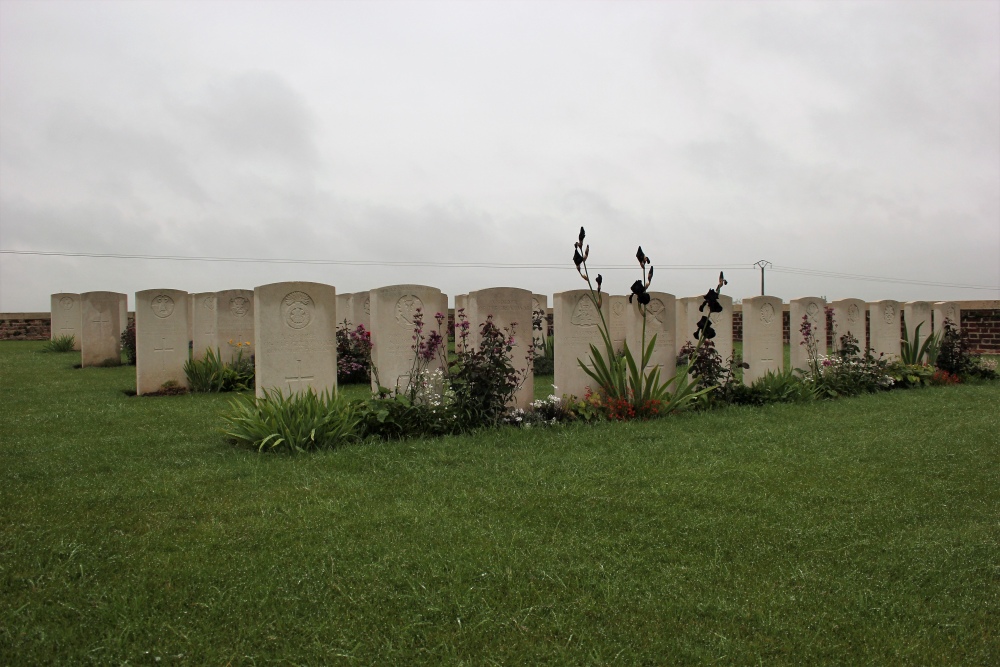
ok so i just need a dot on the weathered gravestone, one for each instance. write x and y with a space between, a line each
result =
204 323
619 314
661 320
295 337
849 320
917 313
576 321
234 321
393 317
161 339
66 317
946 310
540 309
510 308
100 329
361 310
345 311
814 310
763 347
885 330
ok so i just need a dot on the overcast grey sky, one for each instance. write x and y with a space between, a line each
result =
846 138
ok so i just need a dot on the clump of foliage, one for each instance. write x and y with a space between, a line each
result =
60 344
441 395
302 422
354 354
848 371
128 343
211 374
630 388
914 353
954 355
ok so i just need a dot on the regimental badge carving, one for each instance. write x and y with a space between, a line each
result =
812 310
584 313
656 309
406 308
297 310
368 305
209 303
853 313
239 306
66 302
889 313
767 313
162 305
617 308
951 315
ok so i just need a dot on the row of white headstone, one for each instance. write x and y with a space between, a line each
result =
290 328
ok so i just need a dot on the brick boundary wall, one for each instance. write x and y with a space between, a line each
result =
980 320
982 324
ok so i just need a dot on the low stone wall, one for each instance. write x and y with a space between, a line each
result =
29 326
25 326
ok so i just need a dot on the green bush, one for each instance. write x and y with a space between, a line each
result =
301 422
128 343
60 344
545 362
212 374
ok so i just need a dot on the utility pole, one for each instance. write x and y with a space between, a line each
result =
761 265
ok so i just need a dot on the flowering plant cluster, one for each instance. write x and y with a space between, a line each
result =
354 354
128 343
622 379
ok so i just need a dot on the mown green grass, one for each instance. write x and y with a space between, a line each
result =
863 531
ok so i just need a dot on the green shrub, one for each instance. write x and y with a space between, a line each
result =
544 362
128 343
301 422
908 375
60 344
912 353
212 374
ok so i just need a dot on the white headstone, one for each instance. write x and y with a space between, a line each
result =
849 319
814 310
949 310
917 313
540 308
361 310
885 328
66 317
345 310
661 314
100 329
235 321
204 324
576 321
619 316
510 308
161 339
763 346
295 327
392 319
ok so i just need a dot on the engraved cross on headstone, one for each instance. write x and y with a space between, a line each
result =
303 380
102 320
163 348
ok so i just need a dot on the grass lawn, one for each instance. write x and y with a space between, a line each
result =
863 531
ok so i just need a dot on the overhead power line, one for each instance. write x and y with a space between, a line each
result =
359 262
502 265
